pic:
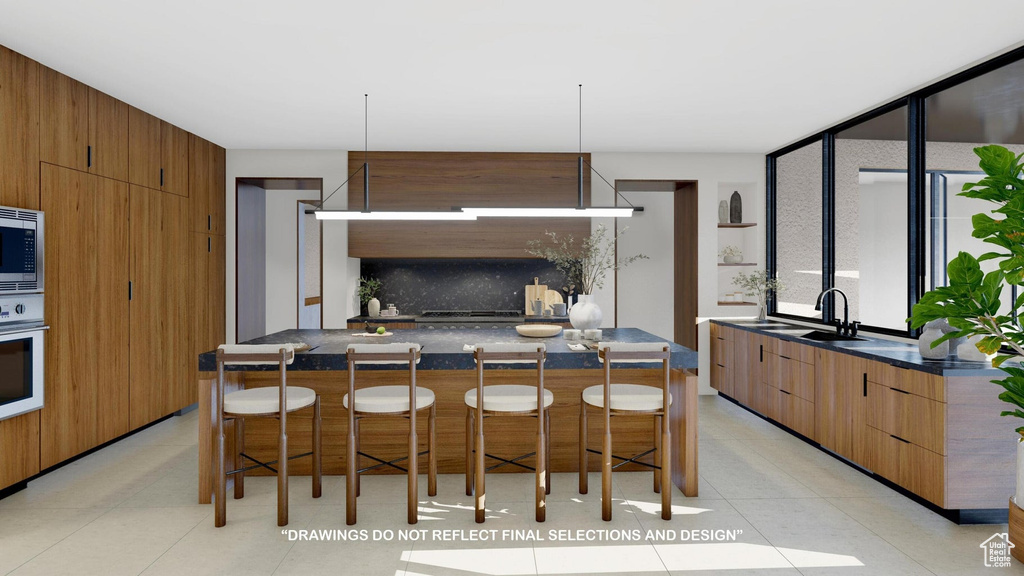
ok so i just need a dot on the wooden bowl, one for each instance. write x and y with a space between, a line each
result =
538 330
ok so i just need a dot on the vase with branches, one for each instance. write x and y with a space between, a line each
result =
368 289
759 285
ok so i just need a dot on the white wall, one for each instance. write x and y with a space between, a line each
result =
282 252
709 170
645 298
332 166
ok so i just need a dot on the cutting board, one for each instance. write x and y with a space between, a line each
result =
535 291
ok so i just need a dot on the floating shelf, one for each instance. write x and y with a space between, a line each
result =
738 264
736 224
723 303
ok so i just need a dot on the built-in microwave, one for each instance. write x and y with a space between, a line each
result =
21 251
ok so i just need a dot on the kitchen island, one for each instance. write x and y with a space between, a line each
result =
449 370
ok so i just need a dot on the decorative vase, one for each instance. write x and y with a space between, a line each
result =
735 208
732 258
762 310
723 212
373 308
968 351
932 332
585 313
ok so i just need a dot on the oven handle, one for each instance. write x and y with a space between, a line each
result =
5 333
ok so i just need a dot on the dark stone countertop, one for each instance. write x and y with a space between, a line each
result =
443 349
902 354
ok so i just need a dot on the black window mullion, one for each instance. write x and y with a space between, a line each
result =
916 229
769 217
828 223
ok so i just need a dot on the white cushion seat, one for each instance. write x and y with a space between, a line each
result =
509 398
387 399
636 397
266 400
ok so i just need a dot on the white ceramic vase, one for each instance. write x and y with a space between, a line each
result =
932 332
373 308
585 314
969 350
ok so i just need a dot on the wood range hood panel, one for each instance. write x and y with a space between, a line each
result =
441 180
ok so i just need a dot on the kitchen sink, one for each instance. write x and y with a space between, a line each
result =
822 336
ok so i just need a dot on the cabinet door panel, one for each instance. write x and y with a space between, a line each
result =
217 190
108 136
796 378
19 130
199 180
207 308
19 444
741 368
174 159
87 309
159 330
144 145
63 120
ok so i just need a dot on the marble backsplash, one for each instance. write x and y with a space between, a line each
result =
415 285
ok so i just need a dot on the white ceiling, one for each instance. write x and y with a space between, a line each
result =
659 76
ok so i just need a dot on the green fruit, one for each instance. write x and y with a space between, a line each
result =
381 330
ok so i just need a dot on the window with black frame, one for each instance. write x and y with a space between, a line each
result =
798 226
871 240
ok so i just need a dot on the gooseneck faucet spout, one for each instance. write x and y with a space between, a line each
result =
845 328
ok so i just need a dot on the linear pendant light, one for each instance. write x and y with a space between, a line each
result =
578 211
366 213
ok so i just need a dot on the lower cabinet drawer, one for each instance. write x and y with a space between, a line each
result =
918 420
883 454
797 378
923 472
796 413
721 379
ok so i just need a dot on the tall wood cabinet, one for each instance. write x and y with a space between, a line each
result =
113 364
87 249
19 130
159 297
157 153
82 128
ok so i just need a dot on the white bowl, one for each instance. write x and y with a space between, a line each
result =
538 330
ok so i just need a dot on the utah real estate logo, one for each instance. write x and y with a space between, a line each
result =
997 550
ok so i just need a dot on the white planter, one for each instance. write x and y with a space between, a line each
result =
373 308
732 258
932 332
1018 496
969 350
585 314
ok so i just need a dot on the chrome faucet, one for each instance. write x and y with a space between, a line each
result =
845 328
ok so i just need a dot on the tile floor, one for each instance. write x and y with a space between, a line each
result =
131 509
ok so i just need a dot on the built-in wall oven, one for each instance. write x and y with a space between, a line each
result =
21 354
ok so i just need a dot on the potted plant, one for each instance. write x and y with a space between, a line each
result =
731 255
971 302
759 285
368 289
585 262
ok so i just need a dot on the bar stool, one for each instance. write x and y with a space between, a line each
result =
630 399
265 402
507 400
394 400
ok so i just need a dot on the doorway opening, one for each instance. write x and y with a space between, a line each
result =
267 255
659 295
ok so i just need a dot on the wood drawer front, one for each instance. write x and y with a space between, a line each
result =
922 472
796 378
714 329
726 333
771 345
919 383
795 413
883 453
721 379
772 400
918 420
796 351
